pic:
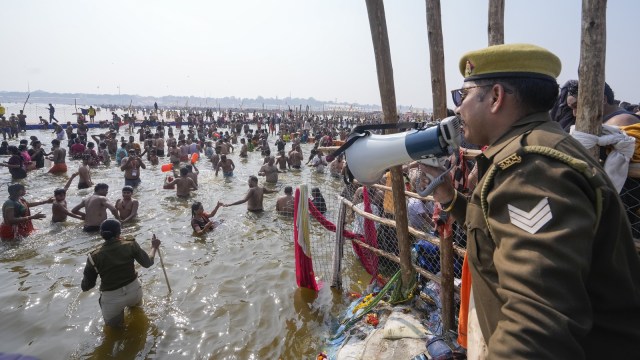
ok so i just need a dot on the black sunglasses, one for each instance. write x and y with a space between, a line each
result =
458 95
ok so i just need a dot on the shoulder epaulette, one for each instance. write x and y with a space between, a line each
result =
580 166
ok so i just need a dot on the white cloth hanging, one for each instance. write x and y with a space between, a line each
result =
617 163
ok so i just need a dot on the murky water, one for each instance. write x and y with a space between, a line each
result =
234 290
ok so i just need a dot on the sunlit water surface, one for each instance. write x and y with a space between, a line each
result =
234 290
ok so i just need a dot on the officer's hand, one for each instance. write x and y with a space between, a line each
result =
155 243
445 191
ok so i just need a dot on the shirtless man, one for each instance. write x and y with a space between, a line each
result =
58 156
226 147
254 196
226 165
59 211
269 171
243 148
193 173
85 174
284 204
295 158
127 206
96 206
184 184
336 166
159 142
131 166
282 161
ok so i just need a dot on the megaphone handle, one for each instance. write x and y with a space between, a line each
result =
434 183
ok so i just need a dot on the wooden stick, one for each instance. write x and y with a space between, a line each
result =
25 102
166 278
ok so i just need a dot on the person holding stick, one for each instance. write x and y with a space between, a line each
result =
114 262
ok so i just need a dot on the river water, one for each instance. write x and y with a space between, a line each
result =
234 290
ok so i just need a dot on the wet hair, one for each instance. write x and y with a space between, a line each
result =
59 191
100 186
55 142
253 178
184 171
90 145
316 192
288 190
194 207
127 188
24 142
110 229
14 189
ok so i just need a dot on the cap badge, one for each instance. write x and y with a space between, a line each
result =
469 69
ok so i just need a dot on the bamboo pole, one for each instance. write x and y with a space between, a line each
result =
591 68
496 22
380 38
438 90
339 248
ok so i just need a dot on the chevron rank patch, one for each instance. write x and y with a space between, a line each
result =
533 220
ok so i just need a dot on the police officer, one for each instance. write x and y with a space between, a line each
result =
554 271
114 262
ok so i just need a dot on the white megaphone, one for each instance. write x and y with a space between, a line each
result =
370 156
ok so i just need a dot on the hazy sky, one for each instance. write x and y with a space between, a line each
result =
269 48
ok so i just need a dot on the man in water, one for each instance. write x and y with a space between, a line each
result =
114 262
96 206
254 196
284 204
131 166
85 173
226 165
59 211
184 184
269 171
58 156
127 206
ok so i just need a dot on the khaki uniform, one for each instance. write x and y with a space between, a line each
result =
550 280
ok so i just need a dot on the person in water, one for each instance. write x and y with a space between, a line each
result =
114 262
16 216
201 220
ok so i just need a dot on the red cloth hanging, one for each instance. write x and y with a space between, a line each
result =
305 277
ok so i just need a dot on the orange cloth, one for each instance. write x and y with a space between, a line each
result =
634 130
58 168
463 315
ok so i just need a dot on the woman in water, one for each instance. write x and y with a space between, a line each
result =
200 220
16 217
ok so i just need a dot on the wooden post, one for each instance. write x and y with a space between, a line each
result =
496 22
338 251
438 90
380 38
436 54
593 46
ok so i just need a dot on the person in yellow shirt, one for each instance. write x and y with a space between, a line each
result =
92 114
2 110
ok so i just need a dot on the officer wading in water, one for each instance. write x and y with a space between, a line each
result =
554 272
114 262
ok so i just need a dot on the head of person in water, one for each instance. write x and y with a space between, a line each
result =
127 192
101 189
196 209
16 190
288 190
110 229
60 194
184 171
